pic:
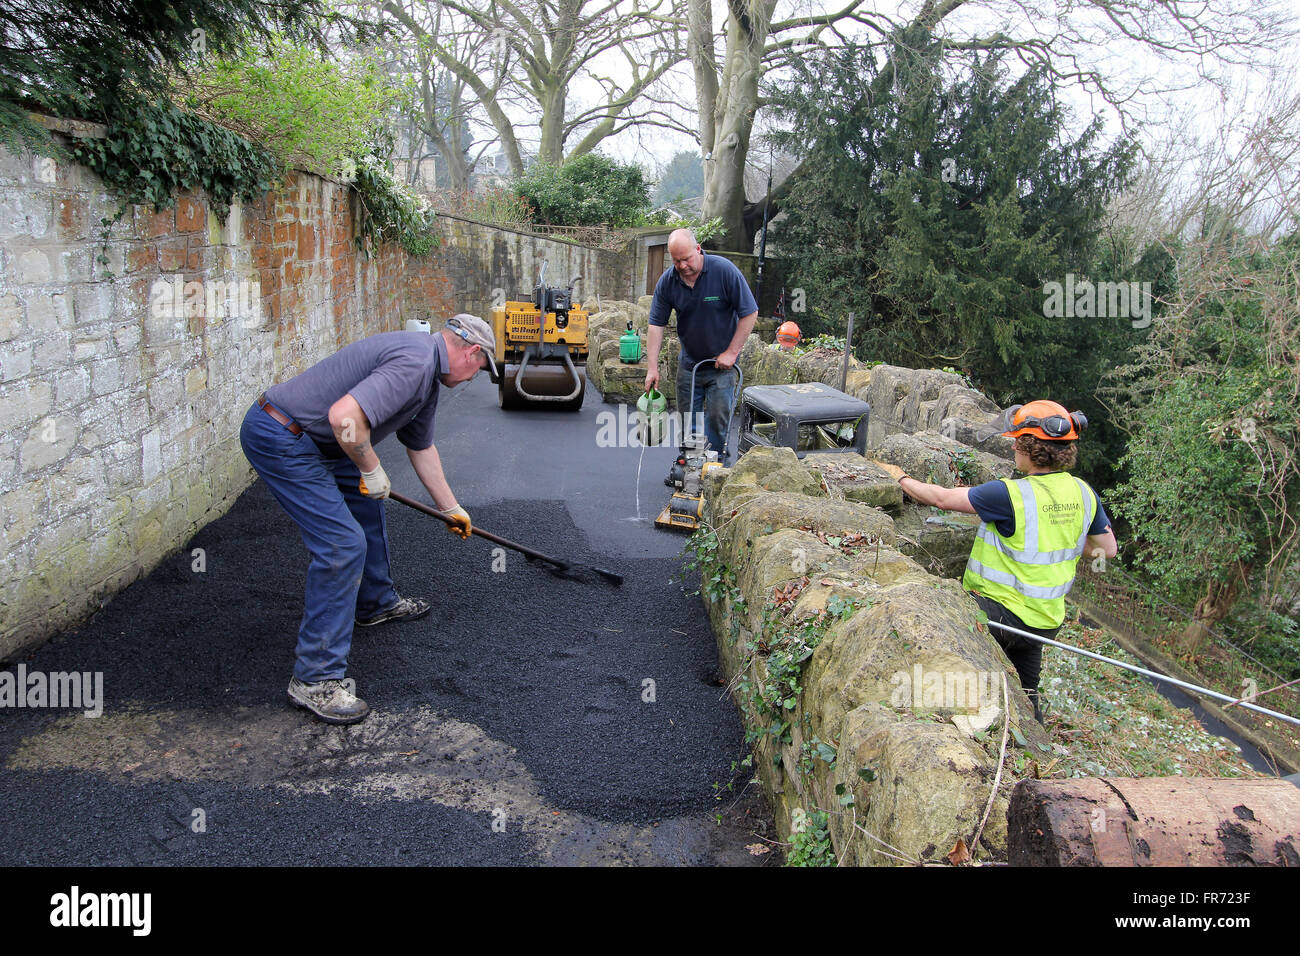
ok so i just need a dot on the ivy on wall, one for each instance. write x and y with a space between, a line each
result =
153 150
389 212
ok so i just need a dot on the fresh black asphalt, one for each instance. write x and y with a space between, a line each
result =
607 695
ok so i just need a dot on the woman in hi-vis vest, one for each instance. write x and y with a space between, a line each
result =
1035 529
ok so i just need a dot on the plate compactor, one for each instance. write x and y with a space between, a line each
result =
686 507
542 348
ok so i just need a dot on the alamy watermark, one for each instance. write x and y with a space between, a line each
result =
1082 298
625 428
127 910
208 298
966 691
77 690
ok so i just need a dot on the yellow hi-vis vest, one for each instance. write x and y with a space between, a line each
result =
1030 572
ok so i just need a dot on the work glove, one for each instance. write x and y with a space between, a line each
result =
461 523
374 484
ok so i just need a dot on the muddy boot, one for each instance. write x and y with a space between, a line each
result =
330 700
406 609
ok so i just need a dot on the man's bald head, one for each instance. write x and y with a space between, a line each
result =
687 257
681 241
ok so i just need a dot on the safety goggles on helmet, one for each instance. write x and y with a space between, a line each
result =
1042 418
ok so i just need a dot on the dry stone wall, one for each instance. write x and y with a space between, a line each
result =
870 689
892 719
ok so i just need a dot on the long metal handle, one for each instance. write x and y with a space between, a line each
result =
504 542
1205 691
740 383
568 364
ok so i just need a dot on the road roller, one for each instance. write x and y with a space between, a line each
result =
542 349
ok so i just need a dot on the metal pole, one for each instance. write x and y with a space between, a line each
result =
848 350
1142 670
762 246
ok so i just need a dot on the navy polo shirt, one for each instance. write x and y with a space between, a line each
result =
707 315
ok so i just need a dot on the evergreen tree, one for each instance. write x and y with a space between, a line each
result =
938 211
588 191
83 60
682 178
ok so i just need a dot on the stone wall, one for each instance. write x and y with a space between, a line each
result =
478 266
123 383
891 723
892 710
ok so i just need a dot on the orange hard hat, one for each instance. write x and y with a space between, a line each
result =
787 335
1045 419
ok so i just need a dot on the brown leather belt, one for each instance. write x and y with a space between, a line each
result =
279 416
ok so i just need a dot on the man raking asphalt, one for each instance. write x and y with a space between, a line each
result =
311 439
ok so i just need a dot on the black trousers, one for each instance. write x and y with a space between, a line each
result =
1024 654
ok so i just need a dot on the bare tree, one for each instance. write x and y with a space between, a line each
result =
1238 173
442 111
1183 43
545 54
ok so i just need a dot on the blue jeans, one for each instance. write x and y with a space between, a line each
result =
348 574
715 397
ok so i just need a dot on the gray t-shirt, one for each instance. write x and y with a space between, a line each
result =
393 376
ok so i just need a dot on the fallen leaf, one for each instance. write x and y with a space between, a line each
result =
959 854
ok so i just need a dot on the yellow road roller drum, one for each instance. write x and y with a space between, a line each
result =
542 349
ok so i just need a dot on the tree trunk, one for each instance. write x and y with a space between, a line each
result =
449 138
748 26
1212 608
1154 821
704 63
731 118
551 148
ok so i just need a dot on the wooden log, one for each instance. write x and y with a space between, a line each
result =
1154 821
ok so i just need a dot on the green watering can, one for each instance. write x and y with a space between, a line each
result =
653 420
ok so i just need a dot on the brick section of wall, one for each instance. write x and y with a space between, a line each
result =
121 398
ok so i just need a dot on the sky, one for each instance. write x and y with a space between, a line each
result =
1176 98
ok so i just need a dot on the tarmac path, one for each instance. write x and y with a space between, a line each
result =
529 719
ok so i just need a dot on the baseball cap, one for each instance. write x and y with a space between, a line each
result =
476 332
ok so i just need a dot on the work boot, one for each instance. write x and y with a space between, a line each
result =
330 700
406 609
1038 710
